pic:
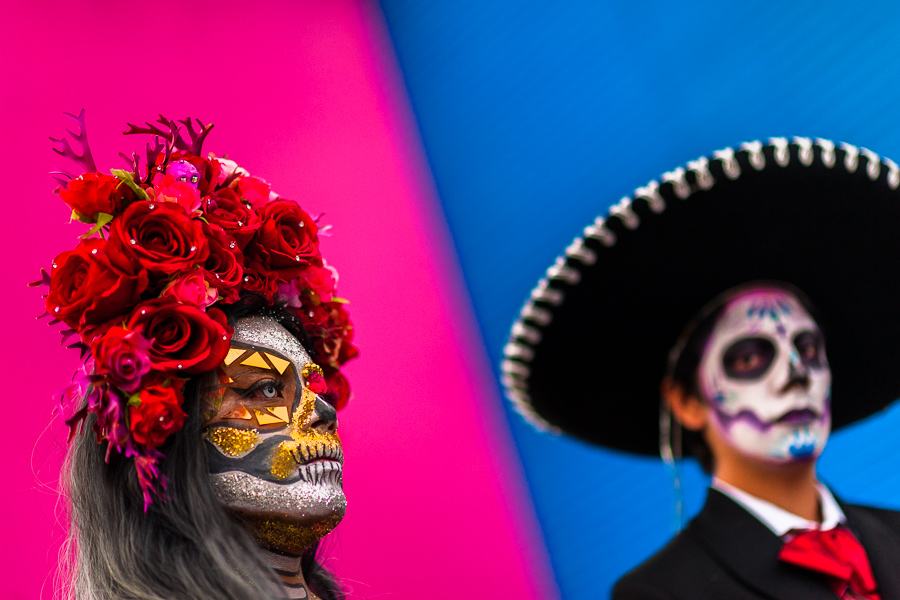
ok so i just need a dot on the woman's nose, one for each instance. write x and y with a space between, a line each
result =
324 417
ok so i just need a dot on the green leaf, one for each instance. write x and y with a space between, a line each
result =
103 220
134 399
340 300
128 179
77 216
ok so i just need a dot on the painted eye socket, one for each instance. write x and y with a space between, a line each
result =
810 348
748 358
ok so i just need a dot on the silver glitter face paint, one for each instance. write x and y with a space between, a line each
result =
284 482
246 493
264 331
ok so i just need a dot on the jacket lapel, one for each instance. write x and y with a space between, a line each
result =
882 546
749 550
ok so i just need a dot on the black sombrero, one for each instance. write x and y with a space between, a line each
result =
589 348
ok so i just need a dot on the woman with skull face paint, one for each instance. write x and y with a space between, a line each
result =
689 310
213 342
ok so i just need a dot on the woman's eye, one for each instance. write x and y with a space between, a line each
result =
264 389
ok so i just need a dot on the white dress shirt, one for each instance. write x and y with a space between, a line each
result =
780 521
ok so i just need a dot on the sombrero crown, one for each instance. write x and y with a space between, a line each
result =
589 349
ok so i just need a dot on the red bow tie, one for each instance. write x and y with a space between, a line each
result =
839 555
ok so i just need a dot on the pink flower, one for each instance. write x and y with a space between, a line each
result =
169 189
122 357
192 288
253 190
229 168
287 293
108 405
319 282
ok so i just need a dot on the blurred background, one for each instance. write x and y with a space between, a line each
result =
456 148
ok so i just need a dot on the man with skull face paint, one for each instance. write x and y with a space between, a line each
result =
763 379
718 268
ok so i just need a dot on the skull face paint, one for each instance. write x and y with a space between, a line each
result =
274 454
766 378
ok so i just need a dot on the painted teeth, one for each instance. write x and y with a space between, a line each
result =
320 472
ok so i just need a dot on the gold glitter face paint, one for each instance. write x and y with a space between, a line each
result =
232 441
274 454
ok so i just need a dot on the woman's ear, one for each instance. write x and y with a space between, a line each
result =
687 409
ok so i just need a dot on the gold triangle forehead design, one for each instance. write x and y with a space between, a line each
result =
256 360
279 363
233 355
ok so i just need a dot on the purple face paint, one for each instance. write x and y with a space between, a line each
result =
765 375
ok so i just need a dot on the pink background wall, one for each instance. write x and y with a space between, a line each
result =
306 95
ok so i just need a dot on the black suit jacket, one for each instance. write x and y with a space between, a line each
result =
726 553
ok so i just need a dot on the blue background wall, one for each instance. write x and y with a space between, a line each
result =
536 117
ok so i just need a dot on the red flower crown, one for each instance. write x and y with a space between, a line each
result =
168 244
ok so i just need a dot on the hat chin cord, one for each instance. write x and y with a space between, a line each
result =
670 450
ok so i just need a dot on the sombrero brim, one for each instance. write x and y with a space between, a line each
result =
589 349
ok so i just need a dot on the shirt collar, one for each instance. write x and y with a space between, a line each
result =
780 521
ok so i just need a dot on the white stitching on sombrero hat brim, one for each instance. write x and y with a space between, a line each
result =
526 330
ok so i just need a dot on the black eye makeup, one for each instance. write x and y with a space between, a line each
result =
264 389
748 358
810 348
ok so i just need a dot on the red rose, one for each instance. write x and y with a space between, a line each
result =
123 198
207 169
90 194
260 280
183 337
158 415
121 356
314 316
338 387
182 193
253 190
159 236
348 350
226 210
330 332
287 241
191 288
223 266
85 290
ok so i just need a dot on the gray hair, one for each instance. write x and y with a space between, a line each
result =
186 547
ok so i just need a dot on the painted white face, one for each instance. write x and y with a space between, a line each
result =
274 454
766 378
